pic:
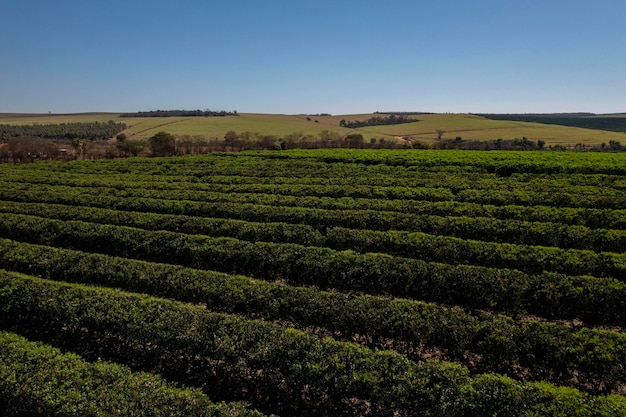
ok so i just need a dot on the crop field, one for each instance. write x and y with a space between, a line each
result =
315 283
470 127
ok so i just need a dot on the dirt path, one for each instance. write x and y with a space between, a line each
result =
125 131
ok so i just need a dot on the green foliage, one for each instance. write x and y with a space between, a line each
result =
465 257
543 349
303 374
69 131
39 380
130 147
180 113
163 144
583 120
393 119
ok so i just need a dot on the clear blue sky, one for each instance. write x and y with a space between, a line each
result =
340 57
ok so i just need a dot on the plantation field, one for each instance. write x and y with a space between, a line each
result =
315 283
470 127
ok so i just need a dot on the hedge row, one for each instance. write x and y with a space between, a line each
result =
251 231
462 227
483 190
39 380
277 369
502 163
471 286
337 181
486 342
375 217
451 250
300 196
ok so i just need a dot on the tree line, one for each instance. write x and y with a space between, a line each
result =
26 148
181 113
63 131
581 120
392 119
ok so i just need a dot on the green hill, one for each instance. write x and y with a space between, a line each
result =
427 129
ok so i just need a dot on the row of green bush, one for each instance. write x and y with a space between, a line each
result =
99 176
472 286
276 369
330 197
427 247
520 162
590 359
425 187
39 380
339 180
511 163
239 207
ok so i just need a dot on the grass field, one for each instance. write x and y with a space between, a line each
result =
454 125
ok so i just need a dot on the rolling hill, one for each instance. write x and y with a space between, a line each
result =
466 126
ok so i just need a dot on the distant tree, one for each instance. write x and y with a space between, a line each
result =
181 113
307 141
121 137
268 141
163 144
419 145
615 145
29 149
440 133
377 121
79 146
130 147
354 140
63 131
230 139
329 138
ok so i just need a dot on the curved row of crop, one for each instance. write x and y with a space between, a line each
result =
432 248
227 206
595 218
39 380
324 196
485 342
348 183
471 286
247 360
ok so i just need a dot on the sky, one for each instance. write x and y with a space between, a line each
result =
294 57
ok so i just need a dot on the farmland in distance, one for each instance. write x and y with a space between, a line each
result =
466 126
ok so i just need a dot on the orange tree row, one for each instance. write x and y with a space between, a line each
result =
500 163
